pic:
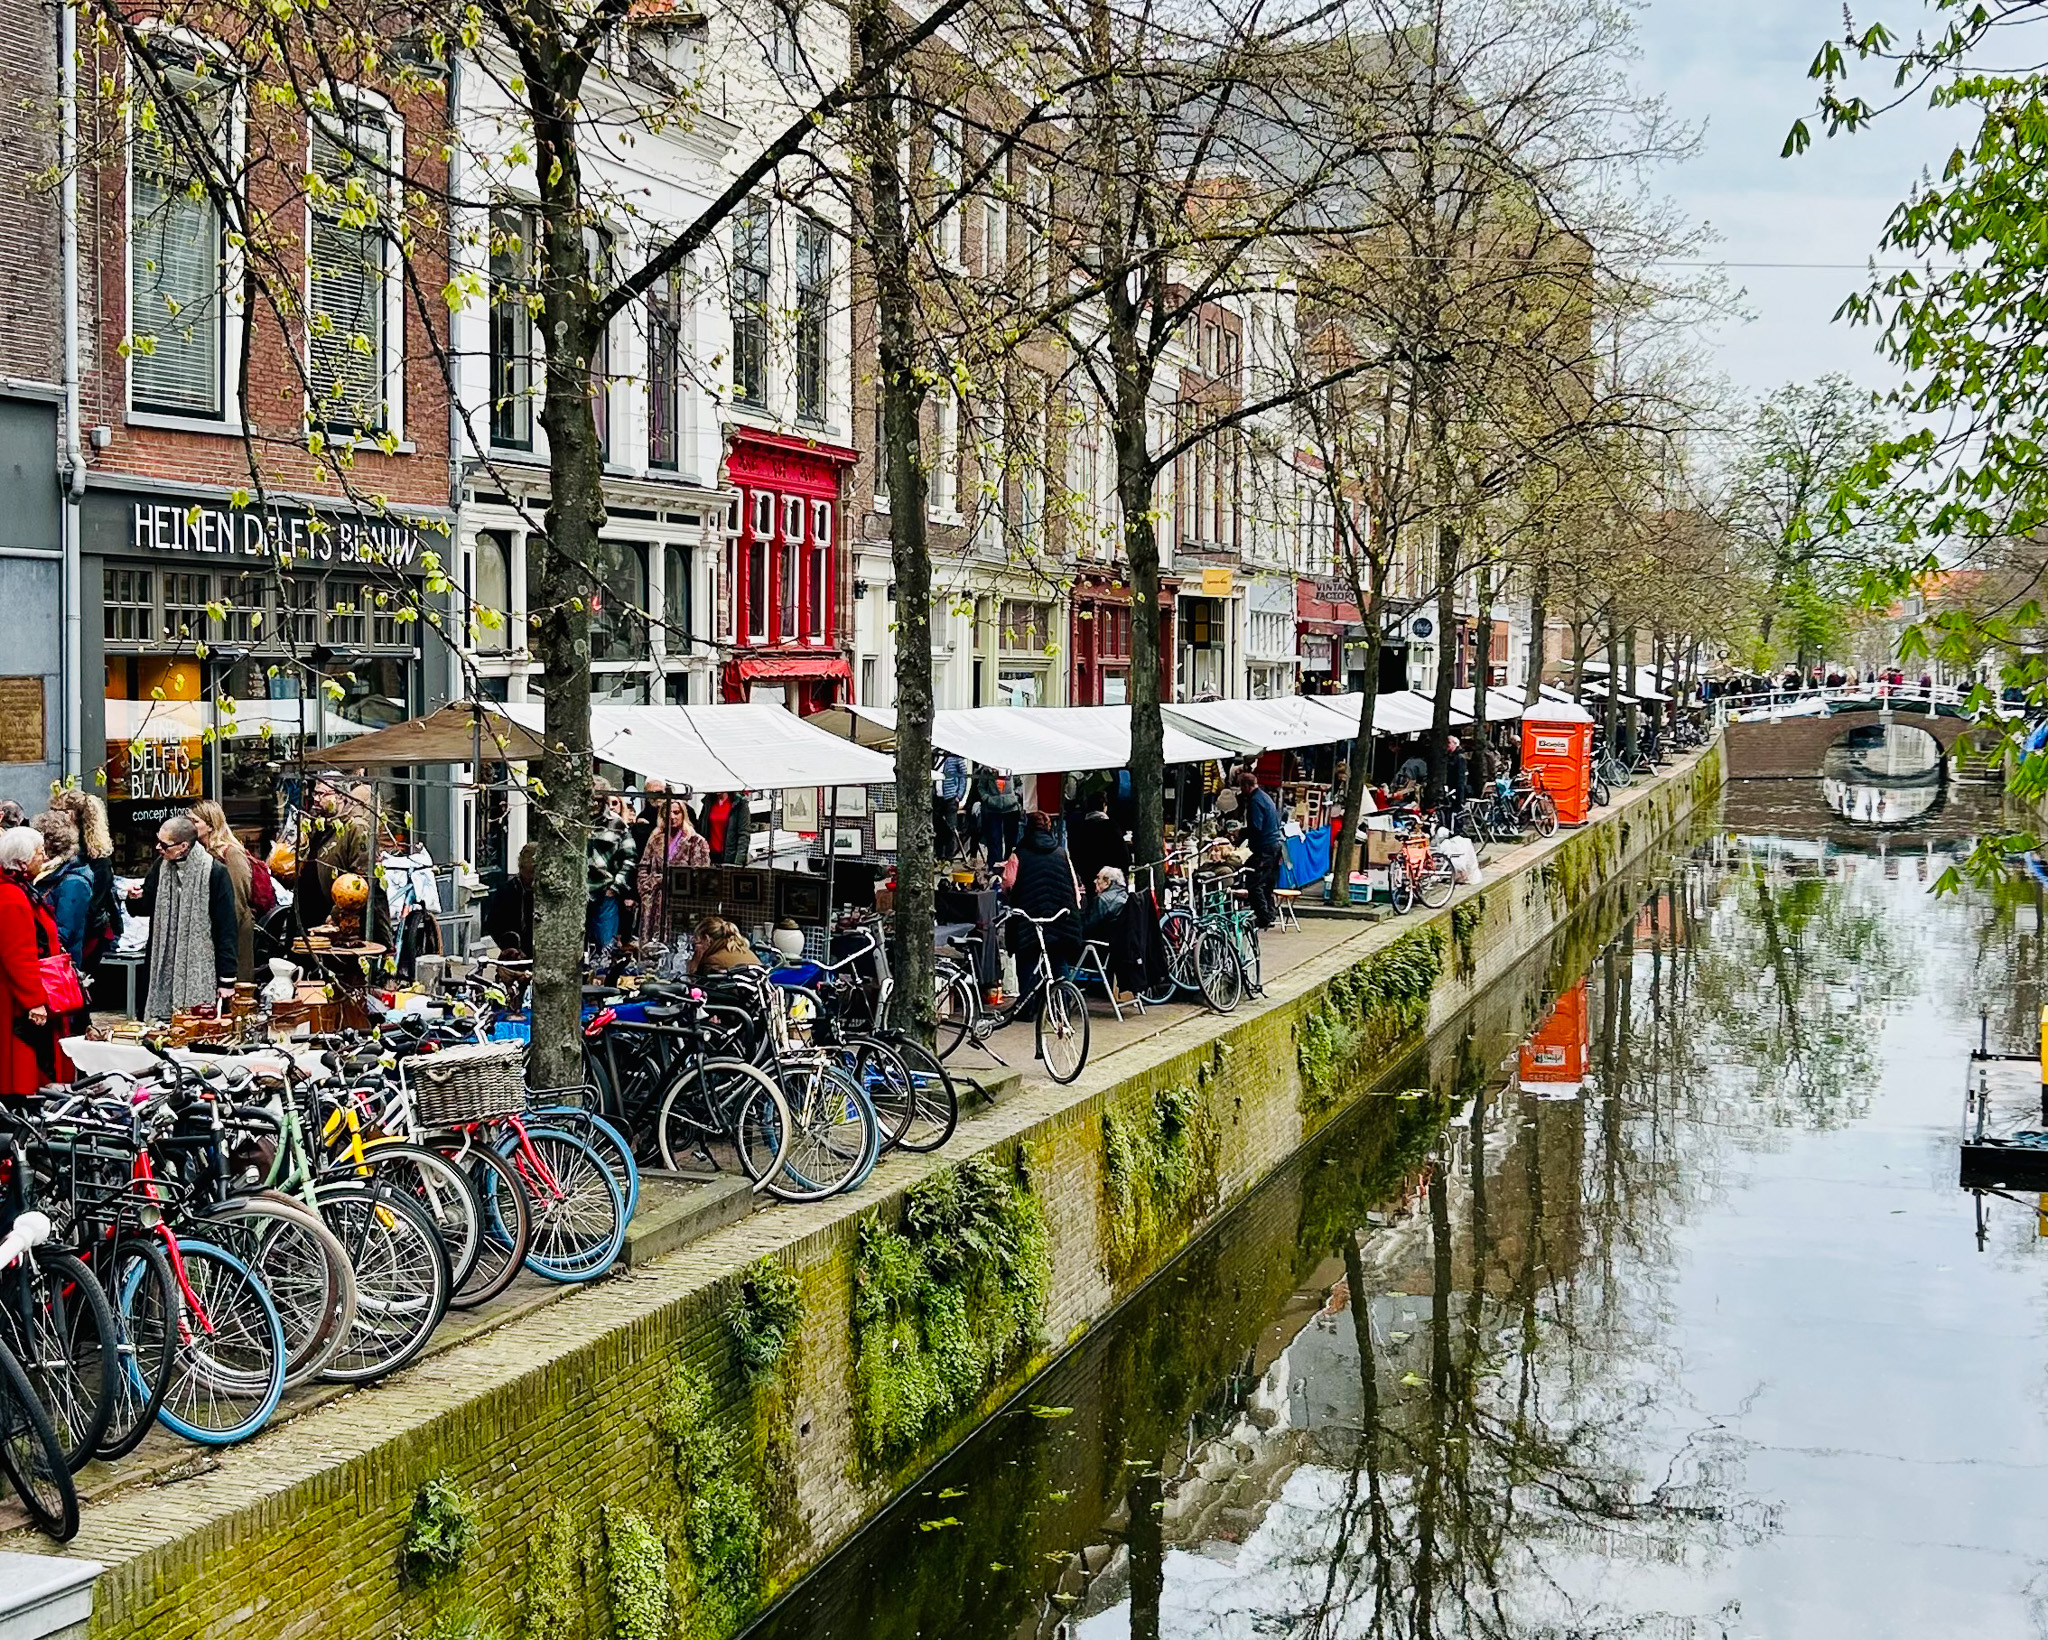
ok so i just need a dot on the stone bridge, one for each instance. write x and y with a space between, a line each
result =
1789 745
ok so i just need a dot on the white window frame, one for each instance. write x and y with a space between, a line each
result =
233 269
391 368
948 166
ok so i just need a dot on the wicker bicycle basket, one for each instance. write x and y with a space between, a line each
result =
472 1083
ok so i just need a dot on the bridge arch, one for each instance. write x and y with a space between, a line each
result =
1795 747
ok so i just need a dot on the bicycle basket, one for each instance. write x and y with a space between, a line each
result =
472 1083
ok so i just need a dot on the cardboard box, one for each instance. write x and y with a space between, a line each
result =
1381 846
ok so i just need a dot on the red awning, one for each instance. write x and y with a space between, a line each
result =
749 668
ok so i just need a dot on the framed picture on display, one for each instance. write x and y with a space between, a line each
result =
885 831
800 898
800 808
846 840
748 890
849 803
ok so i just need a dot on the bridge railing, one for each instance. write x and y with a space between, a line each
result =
1774 706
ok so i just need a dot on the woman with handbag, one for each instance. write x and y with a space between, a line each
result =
41 999
64 882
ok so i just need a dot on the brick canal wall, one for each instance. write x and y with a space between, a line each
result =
660 1453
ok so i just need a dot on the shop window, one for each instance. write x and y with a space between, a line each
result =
813 309
515 290
128 605
491 595
618 624
757 589
597 257
389 621
352 343
186 596
177 248
791 591
248 602
1204 631
752 265
300 612
348 626
818 588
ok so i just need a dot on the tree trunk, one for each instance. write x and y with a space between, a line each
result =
1539 597
1368 591
1610 714
561 635
1482 664
1617 685
910 556
1446 657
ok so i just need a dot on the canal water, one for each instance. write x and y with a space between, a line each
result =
1667 1320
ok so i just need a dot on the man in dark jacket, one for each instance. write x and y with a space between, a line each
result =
1267 839
508 913
1096 841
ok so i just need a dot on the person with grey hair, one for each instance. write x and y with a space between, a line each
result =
190 903
29 1056
64 884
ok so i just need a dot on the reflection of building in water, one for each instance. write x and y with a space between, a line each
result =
1881 805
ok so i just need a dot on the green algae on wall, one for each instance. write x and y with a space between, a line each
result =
946 1303
1158 1172
1364 1013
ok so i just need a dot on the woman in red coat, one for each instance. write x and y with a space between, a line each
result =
28 1036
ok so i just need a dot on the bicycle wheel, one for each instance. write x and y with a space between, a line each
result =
883 1077
402 1279
31 1456
1177 936
304 1267
579 1221
1400 887
1543 815
1597 792
507 1222
602 1137
1217 974
956 1003
1250 957
229 1367
440 1190
938 1106
67 1347
1061 1030
147 1342
834 1136
1437 882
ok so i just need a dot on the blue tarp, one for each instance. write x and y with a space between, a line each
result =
1307 859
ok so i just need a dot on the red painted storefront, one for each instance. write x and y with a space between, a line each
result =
783 571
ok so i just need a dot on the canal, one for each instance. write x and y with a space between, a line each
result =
1668 1319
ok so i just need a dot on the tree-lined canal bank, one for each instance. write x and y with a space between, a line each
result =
1667 1320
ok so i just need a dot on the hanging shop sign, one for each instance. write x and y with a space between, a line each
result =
155 771
126 524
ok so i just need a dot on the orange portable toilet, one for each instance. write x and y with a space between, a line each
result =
1557 749
1553 1060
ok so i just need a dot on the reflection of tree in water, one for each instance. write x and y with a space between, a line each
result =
1506 1441
1998 970
1787 989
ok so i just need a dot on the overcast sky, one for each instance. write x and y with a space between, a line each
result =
1737 68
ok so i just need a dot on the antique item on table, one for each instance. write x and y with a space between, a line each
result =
788 940
284 982
351 894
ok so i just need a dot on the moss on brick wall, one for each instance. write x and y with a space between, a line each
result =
946 1302
1363 1014
1158 1173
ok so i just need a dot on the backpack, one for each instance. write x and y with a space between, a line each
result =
102 918
262 888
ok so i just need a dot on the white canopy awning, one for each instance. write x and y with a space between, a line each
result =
1549 710
1040 739
1261 725
733 747
1408 712
1648 685
1503 705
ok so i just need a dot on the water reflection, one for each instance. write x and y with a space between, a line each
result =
1892 774
1645 1320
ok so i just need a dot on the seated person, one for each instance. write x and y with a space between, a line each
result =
720 947
1106 908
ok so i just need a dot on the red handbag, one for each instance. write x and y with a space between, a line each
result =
63 990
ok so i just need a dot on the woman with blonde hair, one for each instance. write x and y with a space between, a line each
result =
721 946
219 840
673 843
96 849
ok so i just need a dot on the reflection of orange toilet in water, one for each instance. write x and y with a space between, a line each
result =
1553 1059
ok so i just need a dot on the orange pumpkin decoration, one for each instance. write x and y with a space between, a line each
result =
351 893
283 862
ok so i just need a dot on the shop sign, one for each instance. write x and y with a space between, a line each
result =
246 532
1551 745
1216 583
146 771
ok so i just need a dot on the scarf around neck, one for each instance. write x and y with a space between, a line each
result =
182 973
